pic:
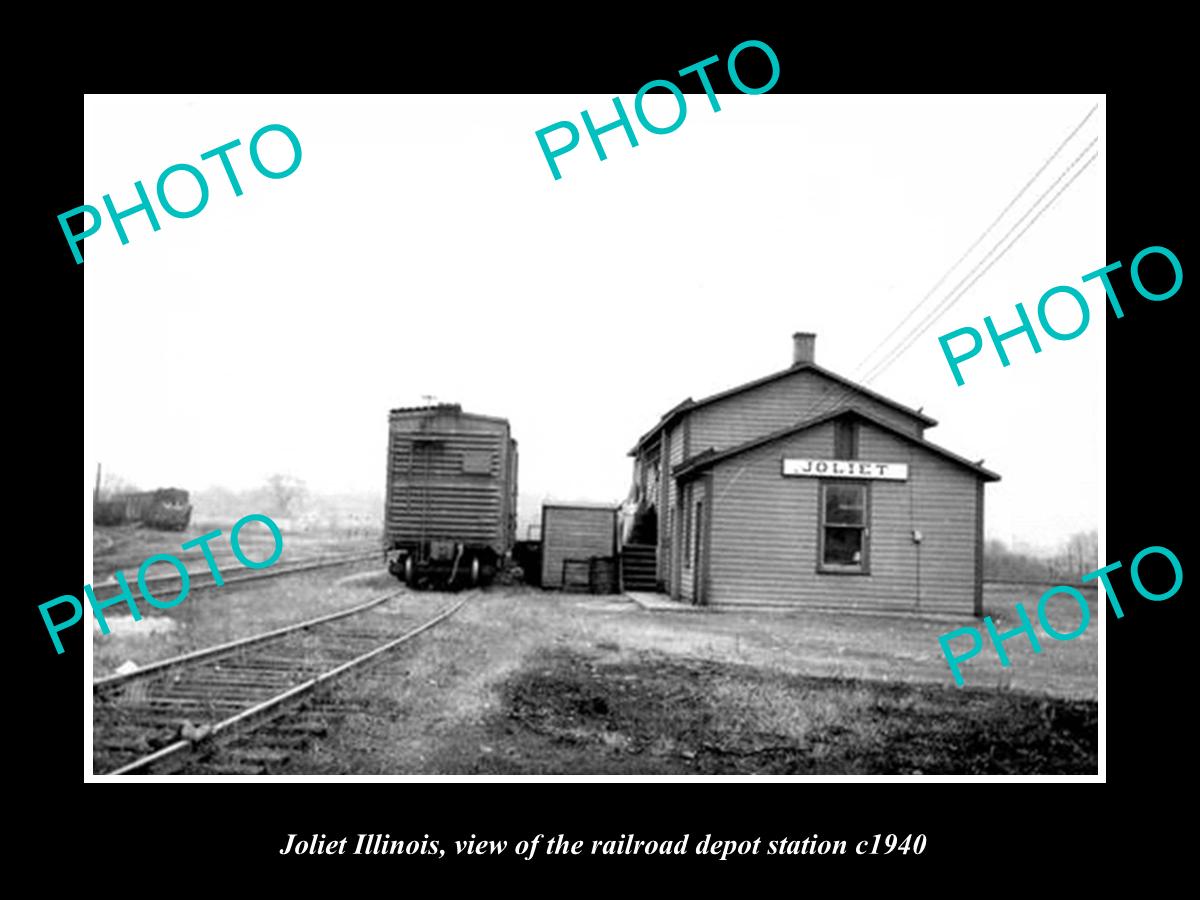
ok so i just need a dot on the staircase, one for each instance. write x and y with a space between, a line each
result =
638 563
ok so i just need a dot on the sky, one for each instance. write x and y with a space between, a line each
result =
422 249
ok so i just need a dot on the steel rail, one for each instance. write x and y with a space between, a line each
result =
266 705
238 644
301 566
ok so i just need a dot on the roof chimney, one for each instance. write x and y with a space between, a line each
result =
804 345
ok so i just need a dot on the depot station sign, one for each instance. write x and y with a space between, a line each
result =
845 468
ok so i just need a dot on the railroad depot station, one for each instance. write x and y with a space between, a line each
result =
798 489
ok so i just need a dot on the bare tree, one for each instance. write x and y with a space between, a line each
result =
1081 552
1003 564
113 483
286 493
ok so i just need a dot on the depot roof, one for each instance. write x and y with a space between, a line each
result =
677 412
708 458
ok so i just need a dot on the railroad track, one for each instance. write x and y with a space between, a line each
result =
157 717
199 579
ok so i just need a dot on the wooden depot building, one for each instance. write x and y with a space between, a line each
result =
803 489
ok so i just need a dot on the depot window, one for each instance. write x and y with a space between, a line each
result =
844 527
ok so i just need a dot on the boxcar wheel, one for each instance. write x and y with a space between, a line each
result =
408 571
474 571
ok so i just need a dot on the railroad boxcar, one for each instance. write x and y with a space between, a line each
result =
167 509
450 512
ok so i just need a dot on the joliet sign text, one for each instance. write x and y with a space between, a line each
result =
846 468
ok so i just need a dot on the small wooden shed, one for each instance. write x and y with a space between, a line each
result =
579 546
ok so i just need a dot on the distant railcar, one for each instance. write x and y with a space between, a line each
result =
450 512
167 509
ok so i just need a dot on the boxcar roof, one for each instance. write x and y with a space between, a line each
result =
583 504
690 404
451 408
708 458
448 407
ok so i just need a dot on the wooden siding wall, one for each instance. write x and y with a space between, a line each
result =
684 582
765 531
664 481
696 530
430 496
672 456
649 483
574 532
775 406
513 494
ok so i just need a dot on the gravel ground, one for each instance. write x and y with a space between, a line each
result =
523 681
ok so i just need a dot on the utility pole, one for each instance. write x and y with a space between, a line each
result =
96 492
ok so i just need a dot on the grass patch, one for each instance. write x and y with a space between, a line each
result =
571 712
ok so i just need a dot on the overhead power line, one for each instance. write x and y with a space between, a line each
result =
979 240
952 297
958 291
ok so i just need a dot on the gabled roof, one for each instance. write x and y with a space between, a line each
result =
708 458
689 404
